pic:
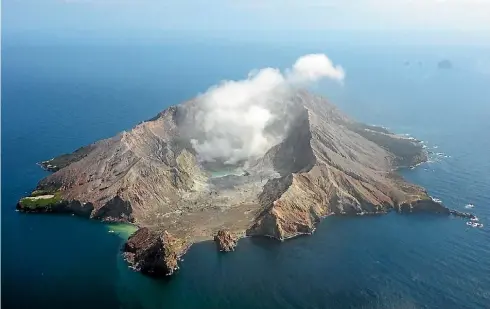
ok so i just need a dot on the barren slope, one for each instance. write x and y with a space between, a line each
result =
326 164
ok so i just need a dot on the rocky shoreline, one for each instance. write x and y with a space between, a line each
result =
326 164
158 254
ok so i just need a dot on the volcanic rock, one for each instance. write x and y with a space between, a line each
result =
326 163
225 241
152 253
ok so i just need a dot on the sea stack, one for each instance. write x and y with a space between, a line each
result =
152 253
225 241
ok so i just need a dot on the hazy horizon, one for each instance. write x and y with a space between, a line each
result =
450 22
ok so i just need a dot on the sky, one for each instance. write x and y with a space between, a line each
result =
251 17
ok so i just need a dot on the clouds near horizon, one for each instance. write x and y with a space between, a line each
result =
250 14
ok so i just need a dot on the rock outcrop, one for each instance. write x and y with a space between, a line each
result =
225 241
64 160
466 215
325 164
152 253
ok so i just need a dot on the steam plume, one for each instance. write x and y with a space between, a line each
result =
238 120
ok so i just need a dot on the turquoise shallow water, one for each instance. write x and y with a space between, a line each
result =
56 98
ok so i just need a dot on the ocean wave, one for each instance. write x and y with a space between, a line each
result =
435 157
436 200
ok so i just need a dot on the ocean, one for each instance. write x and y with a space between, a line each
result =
56 98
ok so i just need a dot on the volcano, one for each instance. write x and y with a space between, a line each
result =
152 176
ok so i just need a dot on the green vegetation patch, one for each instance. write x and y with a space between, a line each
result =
41 200
41 192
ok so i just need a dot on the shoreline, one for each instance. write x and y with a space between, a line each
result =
115 209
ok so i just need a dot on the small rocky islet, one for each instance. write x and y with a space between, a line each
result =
445 64
150 176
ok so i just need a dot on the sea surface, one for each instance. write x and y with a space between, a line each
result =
56 98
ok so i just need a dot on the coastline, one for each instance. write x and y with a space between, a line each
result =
286 207
392 261
123 230
126 230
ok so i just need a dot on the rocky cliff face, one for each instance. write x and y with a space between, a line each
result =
151 176
152 253
225 241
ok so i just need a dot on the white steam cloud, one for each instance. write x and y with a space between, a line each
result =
238 120
313 67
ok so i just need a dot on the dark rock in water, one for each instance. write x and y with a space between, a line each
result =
457 213
445 64
431 206
425 205
225 241
155 254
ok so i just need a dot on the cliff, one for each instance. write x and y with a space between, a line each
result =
151 176
152 253
225 241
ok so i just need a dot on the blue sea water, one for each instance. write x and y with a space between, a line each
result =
57 98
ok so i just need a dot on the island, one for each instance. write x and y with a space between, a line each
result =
445 64
152 176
